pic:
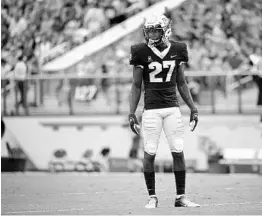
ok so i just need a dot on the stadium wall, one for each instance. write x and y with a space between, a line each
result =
39 137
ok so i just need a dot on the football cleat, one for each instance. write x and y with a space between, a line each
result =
152 202
182 201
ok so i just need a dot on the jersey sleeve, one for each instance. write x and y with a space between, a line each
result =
183 54
134 57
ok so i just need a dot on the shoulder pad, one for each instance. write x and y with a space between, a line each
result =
136 54
138 47
181 48
179 45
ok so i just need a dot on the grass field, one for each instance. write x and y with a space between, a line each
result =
124 193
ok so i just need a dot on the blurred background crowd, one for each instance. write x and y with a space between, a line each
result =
34 28
219 30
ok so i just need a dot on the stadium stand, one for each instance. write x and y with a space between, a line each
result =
221 35
214 40
53 27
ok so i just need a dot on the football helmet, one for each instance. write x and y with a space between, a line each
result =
157 29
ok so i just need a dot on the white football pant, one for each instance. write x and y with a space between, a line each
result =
170 120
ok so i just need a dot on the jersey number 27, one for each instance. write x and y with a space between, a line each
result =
157 68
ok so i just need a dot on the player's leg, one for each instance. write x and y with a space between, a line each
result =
174 130
152 127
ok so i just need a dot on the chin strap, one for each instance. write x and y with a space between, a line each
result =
154 42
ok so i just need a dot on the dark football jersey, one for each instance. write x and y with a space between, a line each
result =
159 72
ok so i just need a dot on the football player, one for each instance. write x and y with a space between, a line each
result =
159 64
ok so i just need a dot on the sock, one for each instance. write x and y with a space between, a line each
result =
180 177
150 182
179 167
149 173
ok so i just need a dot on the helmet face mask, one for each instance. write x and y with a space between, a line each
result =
153 35
156 30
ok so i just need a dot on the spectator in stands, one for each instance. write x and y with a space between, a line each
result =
5 74
58 24
18 24
2 128
46 23
29 44
258 80
105 84
110 13
20 74
95 19
68 12
43 46
255 61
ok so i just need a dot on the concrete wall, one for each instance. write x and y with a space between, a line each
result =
38 140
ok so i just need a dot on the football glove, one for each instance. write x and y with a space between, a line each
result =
193 119
133 123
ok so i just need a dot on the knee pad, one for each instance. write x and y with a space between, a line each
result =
150 147
148 162
176 140
177 145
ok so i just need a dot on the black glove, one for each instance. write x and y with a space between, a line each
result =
133 123
193 119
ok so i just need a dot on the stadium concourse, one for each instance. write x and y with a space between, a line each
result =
125 194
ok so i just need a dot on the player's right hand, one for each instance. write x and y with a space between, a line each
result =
193 119
133 123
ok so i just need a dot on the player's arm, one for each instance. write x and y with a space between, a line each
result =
134 98
186 95
183 87
136 88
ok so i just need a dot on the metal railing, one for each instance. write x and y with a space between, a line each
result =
107 94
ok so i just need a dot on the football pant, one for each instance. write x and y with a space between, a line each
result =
168 119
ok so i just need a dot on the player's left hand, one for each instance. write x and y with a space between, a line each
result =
133 123
193 119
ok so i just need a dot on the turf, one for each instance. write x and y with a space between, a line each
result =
124 193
